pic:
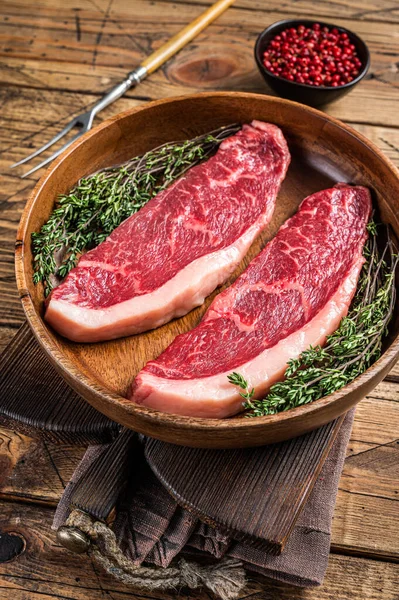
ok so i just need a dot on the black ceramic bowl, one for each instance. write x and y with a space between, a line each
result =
302 92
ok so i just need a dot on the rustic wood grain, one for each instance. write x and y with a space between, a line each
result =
387 390
37 401
45 49
37 94
36 472
254 493
46 570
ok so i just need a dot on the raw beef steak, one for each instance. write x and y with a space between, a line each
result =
292 295
164 260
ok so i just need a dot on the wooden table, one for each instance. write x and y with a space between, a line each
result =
57 57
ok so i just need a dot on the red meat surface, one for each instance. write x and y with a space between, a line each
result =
311 266
167 258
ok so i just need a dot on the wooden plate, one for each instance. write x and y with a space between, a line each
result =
324 151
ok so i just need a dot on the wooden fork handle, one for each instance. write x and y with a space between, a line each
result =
177 42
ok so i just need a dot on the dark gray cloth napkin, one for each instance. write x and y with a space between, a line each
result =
152 528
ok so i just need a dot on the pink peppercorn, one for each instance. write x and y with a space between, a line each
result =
319 56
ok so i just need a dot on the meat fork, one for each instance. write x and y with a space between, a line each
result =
84 121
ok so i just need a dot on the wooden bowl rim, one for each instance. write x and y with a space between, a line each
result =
66 367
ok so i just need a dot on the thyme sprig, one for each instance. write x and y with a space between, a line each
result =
240 381
349 351
85 216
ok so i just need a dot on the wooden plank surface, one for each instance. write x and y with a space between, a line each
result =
56 58
36 472
46 570
56 47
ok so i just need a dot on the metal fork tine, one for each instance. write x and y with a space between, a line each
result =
55 139
54 155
